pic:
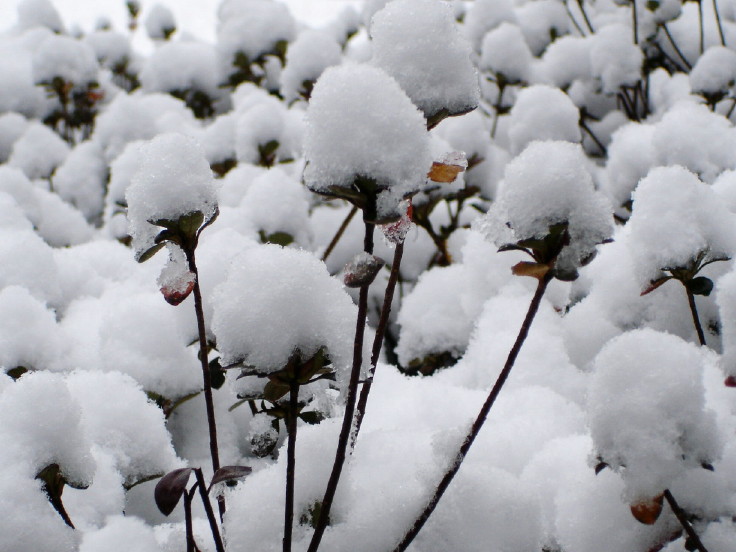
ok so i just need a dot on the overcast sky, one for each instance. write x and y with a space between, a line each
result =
194 16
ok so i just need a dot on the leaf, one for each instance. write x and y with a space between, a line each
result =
534 270
279 238
648 511
654 284
600 466
150 252
362 270
444 172
230 474
274 391
313 417
17 372
217 374
700 286
730 381
169 489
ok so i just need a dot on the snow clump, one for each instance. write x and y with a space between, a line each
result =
276 302
646 409
173 180
361 125
437 75
548 184
307 57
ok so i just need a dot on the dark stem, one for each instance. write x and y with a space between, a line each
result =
482 415
682 518
290 463
497 107
574 21
696 319
347 421
626 101
444 258
593 137
730 109
378 340
339 233
718 22
700 25
206 373
188 520
208 510
635 22
675 47
581 4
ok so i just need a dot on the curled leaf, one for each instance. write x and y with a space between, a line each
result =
362 270
654 284
535 270
169 489
230 474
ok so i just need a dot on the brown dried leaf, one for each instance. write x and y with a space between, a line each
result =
535 270
444 172
648 511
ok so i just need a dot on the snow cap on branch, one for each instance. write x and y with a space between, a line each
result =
550 184
174 179
362 128
437 75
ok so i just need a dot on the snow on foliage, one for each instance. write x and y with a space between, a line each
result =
590 125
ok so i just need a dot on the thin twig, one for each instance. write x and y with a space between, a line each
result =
188 520
497 109
593 137
206 377
219 546
635 22
675 47
682 518
291 429
482 415
700 25
347 422
696 319
718 22
378 340
339 233
581 4
572 18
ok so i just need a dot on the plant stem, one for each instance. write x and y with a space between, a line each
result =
347 421
188 520
290 463
718 22
682 518
572 18
208 510
635 22
482 415
581 4
214 454
339 233
675 47
497 107
593 137
700 25
696 319
378 340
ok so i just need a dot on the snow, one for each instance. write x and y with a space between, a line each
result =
356 118
715 71
263 285
38 151
675 218
661 428
311 53
169 161
182 66
542 112
438 76
549 183
614 59
160 22
505 52
66 58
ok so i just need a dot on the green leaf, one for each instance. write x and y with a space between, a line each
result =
279 238
169 489
700 286
17 372
273 391
150 252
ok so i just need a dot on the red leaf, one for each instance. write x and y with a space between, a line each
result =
175 295
648 511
